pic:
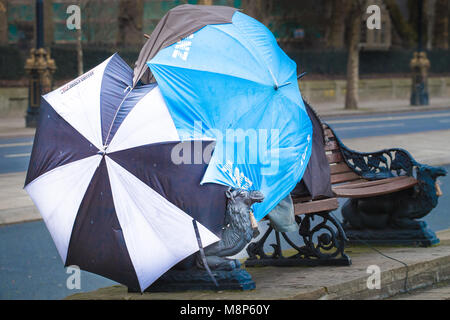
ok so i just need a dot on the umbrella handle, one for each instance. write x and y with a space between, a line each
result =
302 75
202 253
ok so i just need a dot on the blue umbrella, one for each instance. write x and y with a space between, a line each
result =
232 83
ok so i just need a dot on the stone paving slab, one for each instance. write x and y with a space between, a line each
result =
426 266
14 127
440 291
15 204
335 109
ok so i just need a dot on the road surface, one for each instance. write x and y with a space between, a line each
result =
387 124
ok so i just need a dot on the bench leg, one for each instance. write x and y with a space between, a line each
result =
324 245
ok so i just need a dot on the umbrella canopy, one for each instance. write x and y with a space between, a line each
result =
231 82
176 24
102 176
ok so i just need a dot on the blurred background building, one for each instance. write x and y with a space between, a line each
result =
306 24
315 33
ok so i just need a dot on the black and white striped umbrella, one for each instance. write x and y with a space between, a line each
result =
102 177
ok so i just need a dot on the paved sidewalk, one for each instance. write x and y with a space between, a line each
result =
13 127
336 109
440 291
15 204
426 267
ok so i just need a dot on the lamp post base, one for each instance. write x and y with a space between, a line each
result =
31 120
419 90
419 97
39 67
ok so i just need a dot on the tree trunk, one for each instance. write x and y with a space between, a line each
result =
83 4
405 30
48 23
440 30
414 21
430 20
3 22
261 10
352 97
336 28
80 52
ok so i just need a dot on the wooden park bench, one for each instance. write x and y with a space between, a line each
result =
353 175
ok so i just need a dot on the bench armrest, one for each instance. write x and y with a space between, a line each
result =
381 164
394 162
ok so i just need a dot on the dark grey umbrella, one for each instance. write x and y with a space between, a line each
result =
177 24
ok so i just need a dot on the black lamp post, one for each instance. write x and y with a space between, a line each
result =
40 67
39 24
420 65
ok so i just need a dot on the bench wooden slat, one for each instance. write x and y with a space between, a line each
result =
334 157
328 133
344 177
347 183
374 188
300 199
351 183
339 168
331 145
316 206
369 183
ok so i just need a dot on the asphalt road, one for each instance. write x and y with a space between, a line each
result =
15 152
387 124
30 267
